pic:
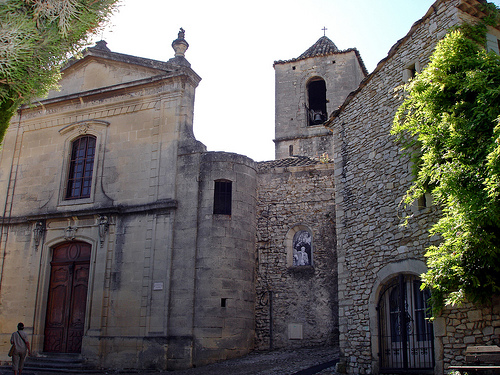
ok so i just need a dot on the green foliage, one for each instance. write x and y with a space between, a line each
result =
36 37
449 123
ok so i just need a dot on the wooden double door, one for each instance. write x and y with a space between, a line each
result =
67 299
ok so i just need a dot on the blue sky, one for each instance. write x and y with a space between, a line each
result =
233 44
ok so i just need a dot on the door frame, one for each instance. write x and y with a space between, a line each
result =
70 308
43 284
414 267
406 340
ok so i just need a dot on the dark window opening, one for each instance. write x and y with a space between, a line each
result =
413 71
222 197
410 72
81 167
317 102
424 201
223 302
290 150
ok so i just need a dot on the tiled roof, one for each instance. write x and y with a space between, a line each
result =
324 46
295 161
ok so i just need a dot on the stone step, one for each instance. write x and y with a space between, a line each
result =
57 362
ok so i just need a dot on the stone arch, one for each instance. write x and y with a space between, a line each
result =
385 274
316 101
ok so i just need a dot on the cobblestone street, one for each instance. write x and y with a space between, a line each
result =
280 362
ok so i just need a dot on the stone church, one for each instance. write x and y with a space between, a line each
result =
125 241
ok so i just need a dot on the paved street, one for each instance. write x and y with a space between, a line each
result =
288 362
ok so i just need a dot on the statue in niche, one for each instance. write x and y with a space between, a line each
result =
302 248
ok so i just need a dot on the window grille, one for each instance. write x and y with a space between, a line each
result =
406 335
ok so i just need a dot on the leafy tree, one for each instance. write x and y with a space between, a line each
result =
449 123
36 37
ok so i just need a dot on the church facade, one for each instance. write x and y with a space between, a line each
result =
124 240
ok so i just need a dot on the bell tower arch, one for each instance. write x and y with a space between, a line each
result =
308 89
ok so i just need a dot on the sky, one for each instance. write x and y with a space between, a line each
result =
233 44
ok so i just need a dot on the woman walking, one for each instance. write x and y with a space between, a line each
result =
21 347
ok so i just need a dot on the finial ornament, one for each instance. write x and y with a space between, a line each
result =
324 30
180 45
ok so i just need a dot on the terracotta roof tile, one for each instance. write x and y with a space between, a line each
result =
295 161
324 46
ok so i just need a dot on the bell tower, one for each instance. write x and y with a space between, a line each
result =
308 89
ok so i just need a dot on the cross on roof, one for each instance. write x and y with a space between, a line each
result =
324 30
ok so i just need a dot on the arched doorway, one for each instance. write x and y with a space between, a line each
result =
406 337
66 305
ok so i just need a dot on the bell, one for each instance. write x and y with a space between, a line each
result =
317 117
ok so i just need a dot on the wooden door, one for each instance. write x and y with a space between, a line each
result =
67 299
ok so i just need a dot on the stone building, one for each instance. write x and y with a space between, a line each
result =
122 239
296 293
307 89
379 261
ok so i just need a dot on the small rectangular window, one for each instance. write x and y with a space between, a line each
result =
492 43
222 197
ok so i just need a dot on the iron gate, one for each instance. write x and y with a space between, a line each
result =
406 337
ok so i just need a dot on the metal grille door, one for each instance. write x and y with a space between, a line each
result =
406 337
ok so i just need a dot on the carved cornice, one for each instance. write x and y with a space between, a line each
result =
162 206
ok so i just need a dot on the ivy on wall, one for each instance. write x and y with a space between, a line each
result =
449 124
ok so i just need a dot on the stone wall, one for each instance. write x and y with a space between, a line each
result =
296 305
224 318
466 326
371 176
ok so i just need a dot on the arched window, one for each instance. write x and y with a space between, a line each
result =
81 167
405 334
302 244
316 92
